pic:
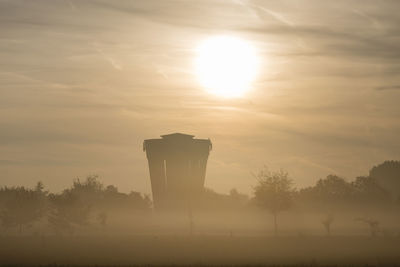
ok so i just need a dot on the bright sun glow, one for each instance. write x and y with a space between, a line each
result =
226 66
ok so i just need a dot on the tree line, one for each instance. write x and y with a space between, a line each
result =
21 207
380 190
88 200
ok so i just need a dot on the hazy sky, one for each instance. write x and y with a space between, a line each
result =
83 83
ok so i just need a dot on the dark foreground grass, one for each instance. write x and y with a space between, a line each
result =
198 251
240 265
210 265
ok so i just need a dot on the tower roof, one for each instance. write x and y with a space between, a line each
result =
177 136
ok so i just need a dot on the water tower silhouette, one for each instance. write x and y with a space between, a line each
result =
177 164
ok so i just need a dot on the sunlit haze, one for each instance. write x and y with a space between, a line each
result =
199 133
226 66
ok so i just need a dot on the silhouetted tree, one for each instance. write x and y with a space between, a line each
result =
333 188
68 211
102 218
22 206
330 193
211 200
387 175
138 201
273 192
368 191
88 191
327 222
238 198
335 192
74 207
372 223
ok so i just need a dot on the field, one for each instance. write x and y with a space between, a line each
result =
199 250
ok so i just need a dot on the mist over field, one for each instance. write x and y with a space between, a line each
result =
200 133
332 222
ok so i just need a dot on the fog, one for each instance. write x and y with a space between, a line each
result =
335 221
310 89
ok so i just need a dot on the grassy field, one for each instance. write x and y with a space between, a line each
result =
199 250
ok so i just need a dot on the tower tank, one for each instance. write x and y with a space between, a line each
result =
177 165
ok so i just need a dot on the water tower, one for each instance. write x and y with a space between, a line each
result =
177 164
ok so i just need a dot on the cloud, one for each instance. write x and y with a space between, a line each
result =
385 88
9 162
325 41
110 59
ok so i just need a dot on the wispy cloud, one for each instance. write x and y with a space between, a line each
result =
107 57
389 87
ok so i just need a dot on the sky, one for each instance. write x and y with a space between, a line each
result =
83 83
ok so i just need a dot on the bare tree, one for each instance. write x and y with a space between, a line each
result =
327 222
102 218
273 192
372 223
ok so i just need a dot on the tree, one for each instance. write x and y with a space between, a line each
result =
368 191
372 223
22 206
102 218
387 175
330 193
73 207
138 201
68 211
333 188
237 198
273 192
89 191
327 222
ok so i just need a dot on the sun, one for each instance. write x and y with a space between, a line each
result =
226 66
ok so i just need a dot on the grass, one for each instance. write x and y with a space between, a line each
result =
198 251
